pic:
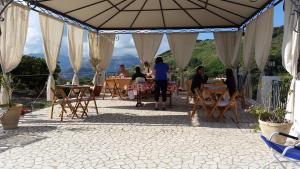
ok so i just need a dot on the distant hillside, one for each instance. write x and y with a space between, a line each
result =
86 69
63 60
205 54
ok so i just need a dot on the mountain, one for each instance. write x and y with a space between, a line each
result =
86 69
127 60
63 60
205 54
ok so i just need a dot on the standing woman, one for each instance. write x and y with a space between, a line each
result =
161 81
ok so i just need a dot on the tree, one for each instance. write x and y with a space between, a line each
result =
33 72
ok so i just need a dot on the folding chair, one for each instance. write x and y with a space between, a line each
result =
97 90
216 93
59 97
93 92
122 86
206 104
110 86
290 154
225 105
86 95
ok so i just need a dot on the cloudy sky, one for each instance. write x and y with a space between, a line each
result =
123 46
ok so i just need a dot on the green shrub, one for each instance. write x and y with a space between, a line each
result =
264 114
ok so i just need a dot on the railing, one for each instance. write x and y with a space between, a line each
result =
279 94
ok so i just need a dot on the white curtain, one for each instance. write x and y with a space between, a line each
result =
95 58
182 46
263 42
147 45
12 41
75 44
249 54
52 31
228 46
290 52
100 49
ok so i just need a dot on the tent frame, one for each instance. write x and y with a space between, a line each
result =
37 6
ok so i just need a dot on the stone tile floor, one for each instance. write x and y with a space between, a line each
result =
123 136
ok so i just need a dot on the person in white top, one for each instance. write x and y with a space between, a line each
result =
147 70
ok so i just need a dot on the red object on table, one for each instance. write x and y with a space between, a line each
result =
137 88
141 87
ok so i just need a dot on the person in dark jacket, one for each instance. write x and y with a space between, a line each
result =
230 82
138 73
198 79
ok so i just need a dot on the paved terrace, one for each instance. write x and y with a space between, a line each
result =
123 136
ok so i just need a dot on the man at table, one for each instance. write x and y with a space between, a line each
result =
198 79
122 71
138 75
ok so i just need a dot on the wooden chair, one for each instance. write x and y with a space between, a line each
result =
122 86
189 91
206 104
88 96
225 105
97 90
59 97
110 86
216 93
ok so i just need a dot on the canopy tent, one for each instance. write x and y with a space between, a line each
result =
153 14
101 15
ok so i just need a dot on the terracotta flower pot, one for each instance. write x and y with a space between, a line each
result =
268 129
10 119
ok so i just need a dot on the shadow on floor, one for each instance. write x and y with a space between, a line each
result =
178 120
178 115
150 106
22 136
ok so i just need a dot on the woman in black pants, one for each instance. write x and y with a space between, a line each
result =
161 81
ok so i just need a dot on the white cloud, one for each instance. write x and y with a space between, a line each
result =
34 42
164 46
124 45
124 41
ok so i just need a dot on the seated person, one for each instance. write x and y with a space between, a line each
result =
138 74
122 71
147 70
230 82
198 79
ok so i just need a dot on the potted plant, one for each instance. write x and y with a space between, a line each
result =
271 120
10 112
